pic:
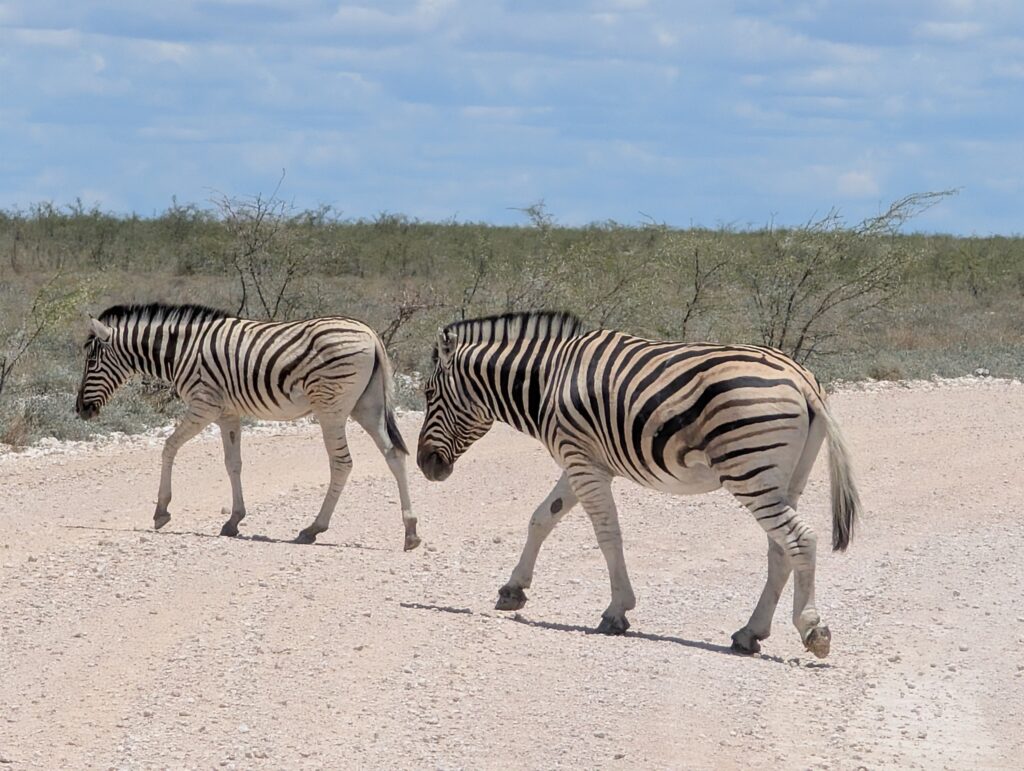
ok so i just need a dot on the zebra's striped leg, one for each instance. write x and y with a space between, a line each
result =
759 627
396 462
799 543
193 422
558 503
594 491
231 436
373 420
815 635
333 430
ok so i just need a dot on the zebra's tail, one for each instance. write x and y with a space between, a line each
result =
383 364
846 505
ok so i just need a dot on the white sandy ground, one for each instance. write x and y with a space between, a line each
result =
124 648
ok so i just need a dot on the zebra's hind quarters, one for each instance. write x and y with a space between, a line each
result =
510 598
818 641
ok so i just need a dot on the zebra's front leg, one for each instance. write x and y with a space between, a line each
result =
231 436
759 627
594 490
558 503
340 460
193 422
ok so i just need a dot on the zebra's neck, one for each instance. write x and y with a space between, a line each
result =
156 343
512 380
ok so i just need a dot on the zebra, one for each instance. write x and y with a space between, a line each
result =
224 367
679 418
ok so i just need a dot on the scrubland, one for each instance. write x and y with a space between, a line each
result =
852 300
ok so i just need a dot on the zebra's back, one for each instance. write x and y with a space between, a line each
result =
678 417
280 370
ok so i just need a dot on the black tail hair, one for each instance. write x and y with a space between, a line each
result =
380 361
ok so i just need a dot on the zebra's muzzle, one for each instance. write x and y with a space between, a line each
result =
86 411
433 468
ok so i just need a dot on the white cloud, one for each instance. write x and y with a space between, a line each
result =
950 31
503 114
163 51
665 38
857 184
58 38
627 5
1013 70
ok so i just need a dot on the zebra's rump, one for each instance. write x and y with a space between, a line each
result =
678 416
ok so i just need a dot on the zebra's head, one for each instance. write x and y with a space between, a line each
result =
104 371
453 419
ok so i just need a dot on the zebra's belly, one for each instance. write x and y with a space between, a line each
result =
288 408
683 481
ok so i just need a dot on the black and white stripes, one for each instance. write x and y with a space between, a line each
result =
671 416
225 367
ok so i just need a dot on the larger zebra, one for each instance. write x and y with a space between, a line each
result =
674 417
225 367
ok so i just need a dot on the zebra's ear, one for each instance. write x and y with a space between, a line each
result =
446 340
100 330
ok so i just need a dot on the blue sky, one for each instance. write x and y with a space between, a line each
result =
708 113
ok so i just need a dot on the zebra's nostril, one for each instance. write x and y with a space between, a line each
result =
433 468
87 411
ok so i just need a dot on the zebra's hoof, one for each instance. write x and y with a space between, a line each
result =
229 529
159 520
746 642
612 626
510 598
411 542
306 536
818 641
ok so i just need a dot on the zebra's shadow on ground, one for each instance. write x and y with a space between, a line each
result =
254 538
578 629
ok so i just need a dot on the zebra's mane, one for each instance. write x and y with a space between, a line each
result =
544 325
156 312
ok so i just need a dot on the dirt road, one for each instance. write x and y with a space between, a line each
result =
124 648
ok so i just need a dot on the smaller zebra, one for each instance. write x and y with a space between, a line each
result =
224 367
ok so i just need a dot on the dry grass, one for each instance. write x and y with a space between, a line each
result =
953 304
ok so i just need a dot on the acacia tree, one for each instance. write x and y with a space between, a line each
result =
809 281
52 305
267 255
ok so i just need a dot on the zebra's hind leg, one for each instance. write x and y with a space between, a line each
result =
594 491
815 634
798 543
558 503
759 627
371 413
333 429
191 424
231 437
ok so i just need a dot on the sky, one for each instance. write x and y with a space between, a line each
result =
710 113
